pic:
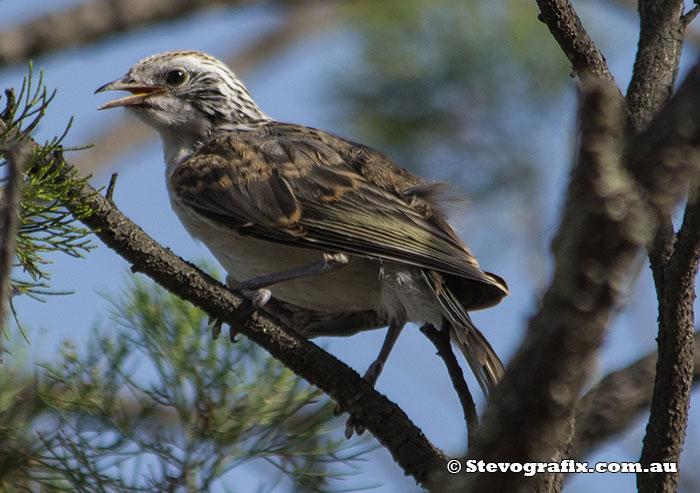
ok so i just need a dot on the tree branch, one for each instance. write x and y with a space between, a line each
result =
87 22
407 444
674 369
656 67
16 155
607 219
656 64
662 158
441 341
614 402
567 29
409 447
684 262
529 415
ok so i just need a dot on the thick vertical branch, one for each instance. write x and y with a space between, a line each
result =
656 63
674 369
608 217
529 415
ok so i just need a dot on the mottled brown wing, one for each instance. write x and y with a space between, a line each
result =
305 193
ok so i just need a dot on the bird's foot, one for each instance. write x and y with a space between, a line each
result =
253 300
352 425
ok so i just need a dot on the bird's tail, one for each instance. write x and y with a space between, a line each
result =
482 359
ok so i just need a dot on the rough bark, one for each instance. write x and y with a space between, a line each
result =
662 27
567 29
607 219
410 448
529 416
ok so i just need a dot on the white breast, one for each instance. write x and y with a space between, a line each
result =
355 286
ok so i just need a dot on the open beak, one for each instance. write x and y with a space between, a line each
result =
139 93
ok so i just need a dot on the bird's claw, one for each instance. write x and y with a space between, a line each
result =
216 328
353 426
232 333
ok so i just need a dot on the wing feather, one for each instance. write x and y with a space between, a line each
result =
296 187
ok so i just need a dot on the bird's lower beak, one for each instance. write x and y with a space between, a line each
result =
139 93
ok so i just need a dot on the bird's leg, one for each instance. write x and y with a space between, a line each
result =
375 369
256 294
372 374
329 263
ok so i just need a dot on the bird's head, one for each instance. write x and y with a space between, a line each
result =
185 94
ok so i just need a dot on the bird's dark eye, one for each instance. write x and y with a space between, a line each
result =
175 77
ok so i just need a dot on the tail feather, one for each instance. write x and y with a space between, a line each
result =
480 356
482 359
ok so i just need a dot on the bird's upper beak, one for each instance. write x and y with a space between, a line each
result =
139 92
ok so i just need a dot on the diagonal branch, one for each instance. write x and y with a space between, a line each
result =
91 21
409 447
407 444
566 28
617 400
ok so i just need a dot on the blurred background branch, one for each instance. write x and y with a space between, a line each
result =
621 397
89 22
17 156
300 21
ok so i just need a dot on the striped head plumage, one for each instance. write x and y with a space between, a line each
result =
188 96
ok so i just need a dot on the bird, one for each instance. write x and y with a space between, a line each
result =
334 231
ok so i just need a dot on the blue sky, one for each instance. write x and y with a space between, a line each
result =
297 85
